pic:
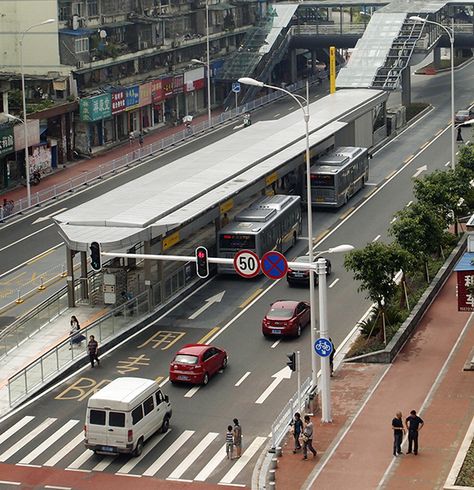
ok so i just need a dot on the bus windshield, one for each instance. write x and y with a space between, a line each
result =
322 180
236 241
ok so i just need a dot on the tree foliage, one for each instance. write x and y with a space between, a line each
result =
466 157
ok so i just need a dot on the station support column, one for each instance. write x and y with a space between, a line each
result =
147 270
437 57
293 66
84 283
406 87
71 300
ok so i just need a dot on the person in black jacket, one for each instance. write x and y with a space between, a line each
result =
297 425
398 430
414 425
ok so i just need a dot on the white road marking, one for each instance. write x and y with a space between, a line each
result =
409 204
447 164
26 237
10 482
243 378
175 446
192 456
376 238
203 475
48 216
164 381
275 344
217 298
58 488
230 476
276 115
371 184
65 450
393 220
333 283
149 446
106 460
192 392
239 126
49 442
15 428
78 462
284 373
25 440
29 465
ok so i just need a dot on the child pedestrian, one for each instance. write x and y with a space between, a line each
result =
229 442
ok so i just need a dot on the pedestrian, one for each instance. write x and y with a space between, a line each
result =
75 336
229 442
224 220
140 138
93 348
297 425
308 437
331 357
414 425
398 431
237 438
459 136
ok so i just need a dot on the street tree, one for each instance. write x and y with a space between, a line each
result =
466 157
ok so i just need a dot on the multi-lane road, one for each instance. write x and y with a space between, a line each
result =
47 432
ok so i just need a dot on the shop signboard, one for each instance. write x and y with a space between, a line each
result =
145 94
465 290
95 108
132 97
157 94
178 84
33 129
167 85
118 102
194 79
6 140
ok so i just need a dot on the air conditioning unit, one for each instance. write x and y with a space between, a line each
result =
80 64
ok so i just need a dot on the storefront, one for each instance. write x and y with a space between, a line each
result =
144 103
158 101
132 104
97 125
9 171
194 90
119 115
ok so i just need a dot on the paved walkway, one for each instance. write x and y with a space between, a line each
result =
356 449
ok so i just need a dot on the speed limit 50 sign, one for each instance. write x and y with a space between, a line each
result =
247 263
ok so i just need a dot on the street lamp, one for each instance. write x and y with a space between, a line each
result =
450 33
256 83
27 162
199 62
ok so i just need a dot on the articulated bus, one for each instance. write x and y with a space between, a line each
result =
338 175
272 223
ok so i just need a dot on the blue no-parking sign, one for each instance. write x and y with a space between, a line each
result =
323 347
236 87
274 265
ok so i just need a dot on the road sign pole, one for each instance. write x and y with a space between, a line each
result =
236 98
298 372
326 415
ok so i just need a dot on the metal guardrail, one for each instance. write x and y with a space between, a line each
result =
139 154
281 424
60 357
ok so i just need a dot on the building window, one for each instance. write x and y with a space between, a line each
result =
82 45
77 9
92 9
65 11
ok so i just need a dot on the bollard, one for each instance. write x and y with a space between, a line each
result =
272 485
278 451
41 287
19 299
274 463
271 475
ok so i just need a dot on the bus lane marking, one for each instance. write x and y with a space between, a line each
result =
132 364
163 339
82 389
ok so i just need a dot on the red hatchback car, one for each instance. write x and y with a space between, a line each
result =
197 363
286 318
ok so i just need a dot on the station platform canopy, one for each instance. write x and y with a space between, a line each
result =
164 199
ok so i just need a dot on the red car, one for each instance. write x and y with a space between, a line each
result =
286 318
197 363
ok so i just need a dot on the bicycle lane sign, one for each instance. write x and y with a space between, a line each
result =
323 347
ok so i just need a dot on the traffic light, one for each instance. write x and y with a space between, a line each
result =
202 265
291 361
96 259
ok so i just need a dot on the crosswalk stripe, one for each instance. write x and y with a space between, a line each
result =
168 453
193 455
149 446
65 450
106 460
230 476
49 442
25 440
15 428
78 462
212 465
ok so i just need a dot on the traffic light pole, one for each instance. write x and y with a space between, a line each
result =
298 373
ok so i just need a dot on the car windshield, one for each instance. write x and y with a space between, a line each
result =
283 313
185 359
463 113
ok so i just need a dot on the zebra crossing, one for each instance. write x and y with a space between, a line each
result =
180 455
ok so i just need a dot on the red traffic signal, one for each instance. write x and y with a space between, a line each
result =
202 264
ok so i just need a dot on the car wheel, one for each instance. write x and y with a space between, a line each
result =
298 330
165 425
290 284
328 270
139 449
224 363
205 379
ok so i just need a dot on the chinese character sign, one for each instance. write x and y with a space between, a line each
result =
132 97
118 102
145 94
6 140
96 108
157 91
465 290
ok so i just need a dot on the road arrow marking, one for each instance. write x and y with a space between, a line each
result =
239 126
419 170
284 373
48 216
210 301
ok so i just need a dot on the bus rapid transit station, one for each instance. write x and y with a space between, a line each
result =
184 204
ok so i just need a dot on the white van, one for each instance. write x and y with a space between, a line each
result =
124 414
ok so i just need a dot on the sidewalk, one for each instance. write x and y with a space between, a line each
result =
356 449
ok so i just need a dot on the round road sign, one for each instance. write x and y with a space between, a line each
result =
323 347
247 263
274 265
